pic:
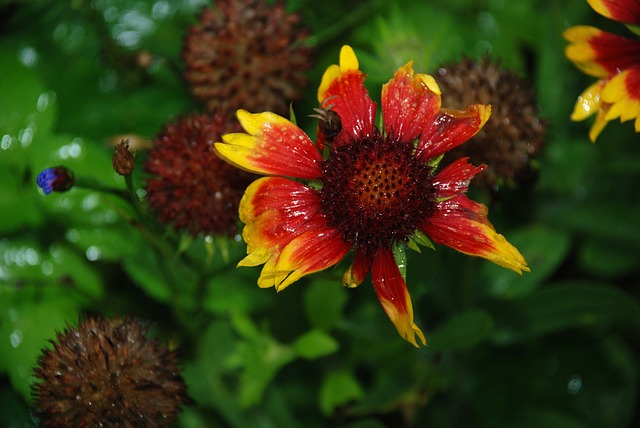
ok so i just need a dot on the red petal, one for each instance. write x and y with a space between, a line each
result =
358 270
450 129
275 210
272 145
462 224
627 11
394 296
409 103
312 251
348 97
455 178
614 52
286 232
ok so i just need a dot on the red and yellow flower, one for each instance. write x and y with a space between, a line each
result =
375 190
614 60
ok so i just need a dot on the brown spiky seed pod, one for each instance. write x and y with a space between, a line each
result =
190 187
106 373
513 134
246 54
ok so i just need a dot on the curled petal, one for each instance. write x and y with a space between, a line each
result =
311 251
455 178
461 224
450 128
409 103
357 272
627 11
623 93
394 296
272 145
342 89
599 53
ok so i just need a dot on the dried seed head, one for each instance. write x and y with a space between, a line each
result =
513 134
246 54
191 188
107 373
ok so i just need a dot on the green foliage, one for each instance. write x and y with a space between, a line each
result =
556 347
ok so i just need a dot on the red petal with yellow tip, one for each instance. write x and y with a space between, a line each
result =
342 90
451 128
623 93
312 251
599 53
462 224
275 210
409 103
455 178
394 296
272 145
627 11
358 270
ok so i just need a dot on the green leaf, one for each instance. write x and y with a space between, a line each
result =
259 357
27 108
462 332
147 272
106 243
543 248
24 260
400 256
15 413
338 388
315 344
18 201
29 317
234 290
324 302
538 416
608 259
571 304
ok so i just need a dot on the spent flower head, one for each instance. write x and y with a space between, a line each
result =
107 373
514 133
246 54
190 187
378 189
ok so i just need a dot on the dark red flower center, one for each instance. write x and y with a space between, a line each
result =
375 191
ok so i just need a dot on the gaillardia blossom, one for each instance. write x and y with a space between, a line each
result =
376 189
614 60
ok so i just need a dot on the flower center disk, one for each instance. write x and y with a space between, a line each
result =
375 191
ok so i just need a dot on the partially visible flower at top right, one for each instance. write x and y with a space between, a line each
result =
614 60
